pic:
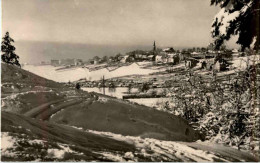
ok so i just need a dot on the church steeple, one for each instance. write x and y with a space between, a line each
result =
154 46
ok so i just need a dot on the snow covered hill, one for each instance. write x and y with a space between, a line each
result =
25 139
74 74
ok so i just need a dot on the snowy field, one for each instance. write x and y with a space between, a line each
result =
151 102
165 150
49 72
11 144
145 147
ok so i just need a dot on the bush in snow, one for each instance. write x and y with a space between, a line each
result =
225 110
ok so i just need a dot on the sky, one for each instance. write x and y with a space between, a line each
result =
177 23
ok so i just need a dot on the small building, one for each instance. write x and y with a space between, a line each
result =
169 50
221 65
45 63
55 62
158 58
78 62
124 59
210 55
194 53
151 57
191 62
209 64
96 61
173 58
184 55
71 61
110 60
144 57
217 65
140 56
170 58
164 58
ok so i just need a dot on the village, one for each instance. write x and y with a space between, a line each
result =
158 56
167 60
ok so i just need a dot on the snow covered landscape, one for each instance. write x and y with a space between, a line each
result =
51 73
130 81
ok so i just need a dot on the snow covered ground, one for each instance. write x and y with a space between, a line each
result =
151 102
74 74
158 149
242 62
14 146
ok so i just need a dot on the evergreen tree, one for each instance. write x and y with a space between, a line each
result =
237 17
8 54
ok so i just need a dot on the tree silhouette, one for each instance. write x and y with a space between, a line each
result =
78 86
237 17
8 54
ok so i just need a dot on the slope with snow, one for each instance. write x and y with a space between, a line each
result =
74 74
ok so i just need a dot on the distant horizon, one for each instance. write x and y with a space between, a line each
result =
47 50
110 26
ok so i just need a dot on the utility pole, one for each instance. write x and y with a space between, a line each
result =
103 84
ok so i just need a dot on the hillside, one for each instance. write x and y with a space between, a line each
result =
44 121
74 74
26 139
14 75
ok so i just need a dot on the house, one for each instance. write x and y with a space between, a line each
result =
96 61
215 64
66 62
151 57
130 59
111 59
158 58
210 55
164 58
127 58
209 64
184 55
69 61
78 62
141 56
194 53
169 50
123 60
170 57
55 62
144 57
138 56
45 63
191 62
221 65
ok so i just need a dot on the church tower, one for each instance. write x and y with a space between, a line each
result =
154 46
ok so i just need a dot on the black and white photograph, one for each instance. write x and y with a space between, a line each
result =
130 81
